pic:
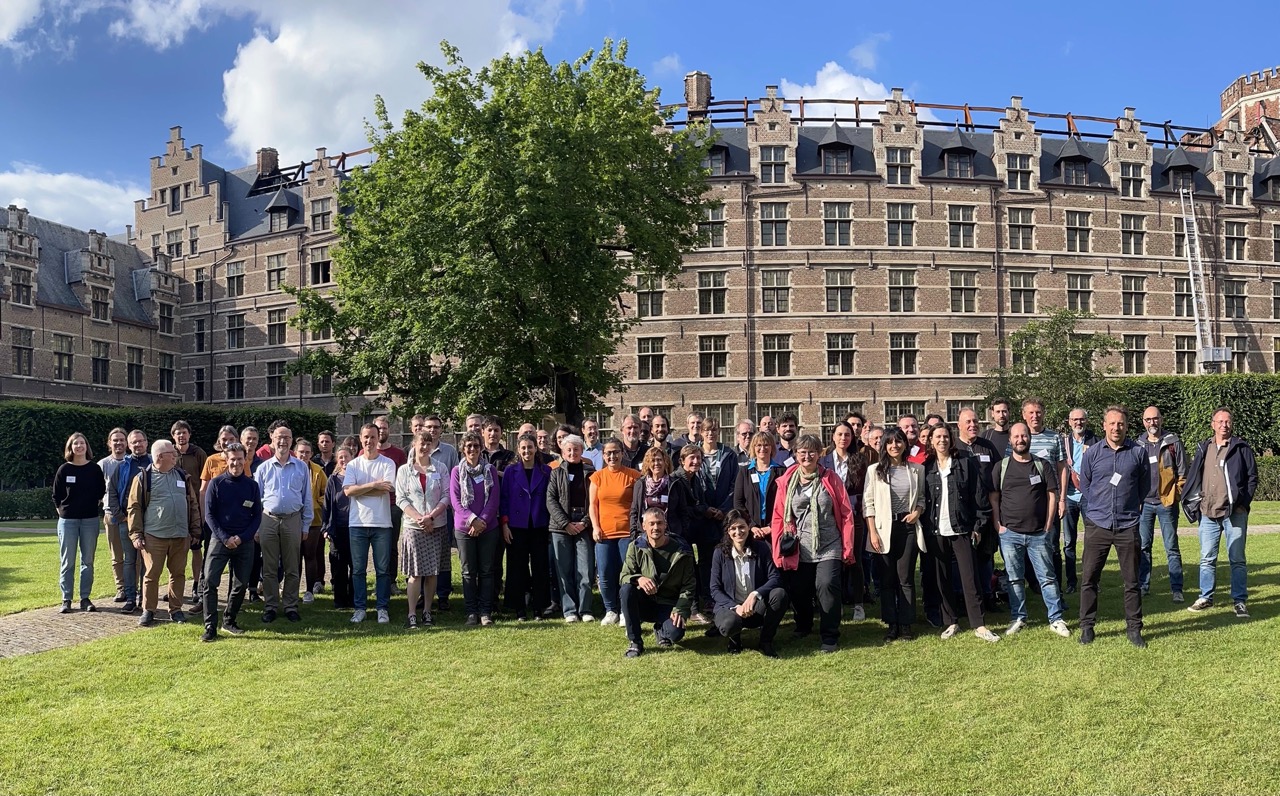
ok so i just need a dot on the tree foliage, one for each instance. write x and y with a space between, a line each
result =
487 252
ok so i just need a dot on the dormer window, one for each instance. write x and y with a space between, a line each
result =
279 220
959 165
1075 172
714 162
1182 180
837 160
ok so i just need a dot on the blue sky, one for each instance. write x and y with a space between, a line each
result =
91 87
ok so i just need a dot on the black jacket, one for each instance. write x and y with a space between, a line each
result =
676 507
746 493
968 501
723 591
558 508
1242 478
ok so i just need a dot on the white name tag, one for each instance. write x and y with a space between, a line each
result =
790 461
1115 479
71 479
985 458
915 449
755 478
1035 479
663 498
182 485
1151 460
570 476
248 504
1043 455
479 479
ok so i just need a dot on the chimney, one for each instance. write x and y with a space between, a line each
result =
697 94
268 161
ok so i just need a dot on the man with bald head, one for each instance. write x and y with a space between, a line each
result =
969 439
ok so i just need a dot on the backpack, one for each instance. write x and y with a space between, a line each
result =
1036 461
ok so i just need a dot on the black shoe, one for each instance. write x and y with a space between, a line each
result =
1086 635
473 620
549 612
66 607
663 642
906 633
892 635
712 632
254 597
119 598
268 616
231 627
177 617
1136 639
827 649
442 604
634 650
767 650
147 619
210 634
86 605
1071 589
735 645
293 616
798 633
934 617
129 607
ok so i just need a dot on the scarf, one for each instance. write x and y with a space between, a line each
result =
468 474
654 490
798 480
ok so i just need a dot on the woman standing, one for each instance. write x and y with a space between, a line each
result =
654 490
422 495
570 529
474 494
525 524
609 506
336 530
850 467
78 489
812 539
955 507
702 524
757 484
893 500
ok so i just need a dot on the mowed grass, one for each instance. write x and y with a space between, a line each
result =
327 707
29 573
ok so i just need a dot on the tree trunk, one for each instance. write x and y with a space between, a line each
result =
568 402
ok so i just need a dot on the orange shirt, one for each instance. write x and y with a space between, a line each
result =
613 500
214 466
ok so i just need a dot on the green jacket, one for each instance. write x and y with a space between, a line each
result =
676 587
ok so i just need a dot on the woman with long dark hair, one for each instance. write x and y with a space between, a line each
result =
336 529
746 585
892 501
844 457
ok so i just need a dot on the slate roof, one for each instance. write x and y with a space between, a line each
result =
1165 160
811 139
247 216
1055 150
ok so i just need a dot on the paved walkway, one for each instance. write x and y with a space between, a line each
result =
45 629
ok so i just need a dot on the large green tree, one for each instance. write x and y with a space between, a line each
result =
487 252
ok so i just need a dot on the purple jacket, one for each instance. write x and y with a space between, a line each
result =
486 510
524 501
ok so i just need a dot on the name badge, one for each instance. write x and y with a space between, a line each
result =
1115 479
570 476
479 479
71 479
248 504
1035 479
663 498
985 458
915 449
755 478
790 461
182 485
1151 460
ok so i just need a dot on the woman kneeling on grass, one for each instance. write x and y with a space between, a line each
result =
422 493
746 586
78 488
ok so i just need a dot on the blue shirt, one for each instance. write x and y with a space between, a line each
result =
1113 484
286 488
764 495
595 454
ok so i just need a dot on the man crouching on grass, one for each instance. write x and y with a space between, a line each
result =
657 584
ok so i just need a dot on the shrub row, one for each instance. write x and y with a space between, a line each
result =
1187 403
27 504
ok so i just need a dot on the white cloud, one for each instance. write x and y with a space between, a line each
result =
72 199
160 23
667 66
15 17
866 52
833 81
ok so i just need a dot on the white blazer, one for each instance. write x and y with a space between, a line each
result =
409 492
876 493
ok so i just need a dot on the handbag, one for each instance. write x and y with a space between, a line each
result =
788 544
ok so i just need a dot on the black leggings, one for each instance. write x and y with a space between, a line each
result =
820 579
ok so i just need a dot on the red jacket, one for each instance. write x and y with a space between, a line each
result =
840 503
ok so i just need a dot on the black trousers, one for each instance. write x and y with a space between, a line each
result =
528 570
766 616
820 579
340 568
958 549
255 575
898 597
706 548
928 585
241 562
1097 547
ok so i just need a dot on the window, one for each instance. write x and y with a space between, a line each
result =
1021 228
1182 297
63 359
21 284
896 409
1179 237
837 227
777 355
173 243
235 279
155 246
775 290
839 290
100 300
836 412
235 330
773 164
322 334
1131 180
201 278
649 296
276 379
899 166
275 271
1022 292
1239 362
901 224
960 226
714 162
711 292
322 385
1131 234
1233 297
902 290
725 415
1077 231
175 199
959 165
713 357
23 350
276 327
197 380
954 408
1235 238
773 223
964 291
1075 172
1018 172
194 240
1135 354
166 319
1234 184
1184 346
133 367
166 373
1275 243
836 159
712 228
649 357
320 271
101 362
841 349
321 215
198 335
1182 180
1133 295
902 354
964 353
279 220
235 382
1079 292
1275 356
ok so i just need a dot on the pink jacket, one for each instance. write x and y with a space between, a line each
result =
840 503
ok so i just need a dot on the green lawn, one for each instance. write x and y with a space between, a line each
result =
549 708
29 572
47 525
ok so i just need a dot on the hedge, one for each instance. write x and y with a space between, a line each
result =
1187 403
35 432
27 504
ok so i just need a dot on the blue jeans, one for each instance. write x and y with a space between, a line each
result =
609 556
1034 546
380 539
75 535
129 568
572 558
1070 522
1168 516
1211 533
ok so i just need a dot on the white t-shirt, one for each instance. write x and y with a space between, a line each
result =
372 510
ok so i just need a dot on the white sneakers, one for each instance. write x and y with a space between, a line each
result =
588 618
1016 627
950 631
985 634
610 618
308 597
1060 627
383 616
357 617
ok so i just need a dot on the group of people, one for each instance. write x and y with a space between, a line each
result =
673 532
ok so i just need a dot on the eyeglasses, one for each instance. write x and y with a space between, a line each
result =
745 434
612 453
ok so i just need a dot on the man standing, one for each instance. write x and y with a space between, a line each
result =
646 416
1219 491
788 429
285 483
1047 445
998 434
233 511
117 443
191 461
119 482
633 448
313 542
494 452
324 454
693 431
857 422
1167 460
988 458
385 447
1023 507
592 450
370 484
911 427
249 439
659 433
1074 444
1114 479
474 422
657 585
768 426
745 431
164 521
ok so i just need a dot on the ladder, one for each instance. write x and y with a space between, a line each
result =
1210 356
